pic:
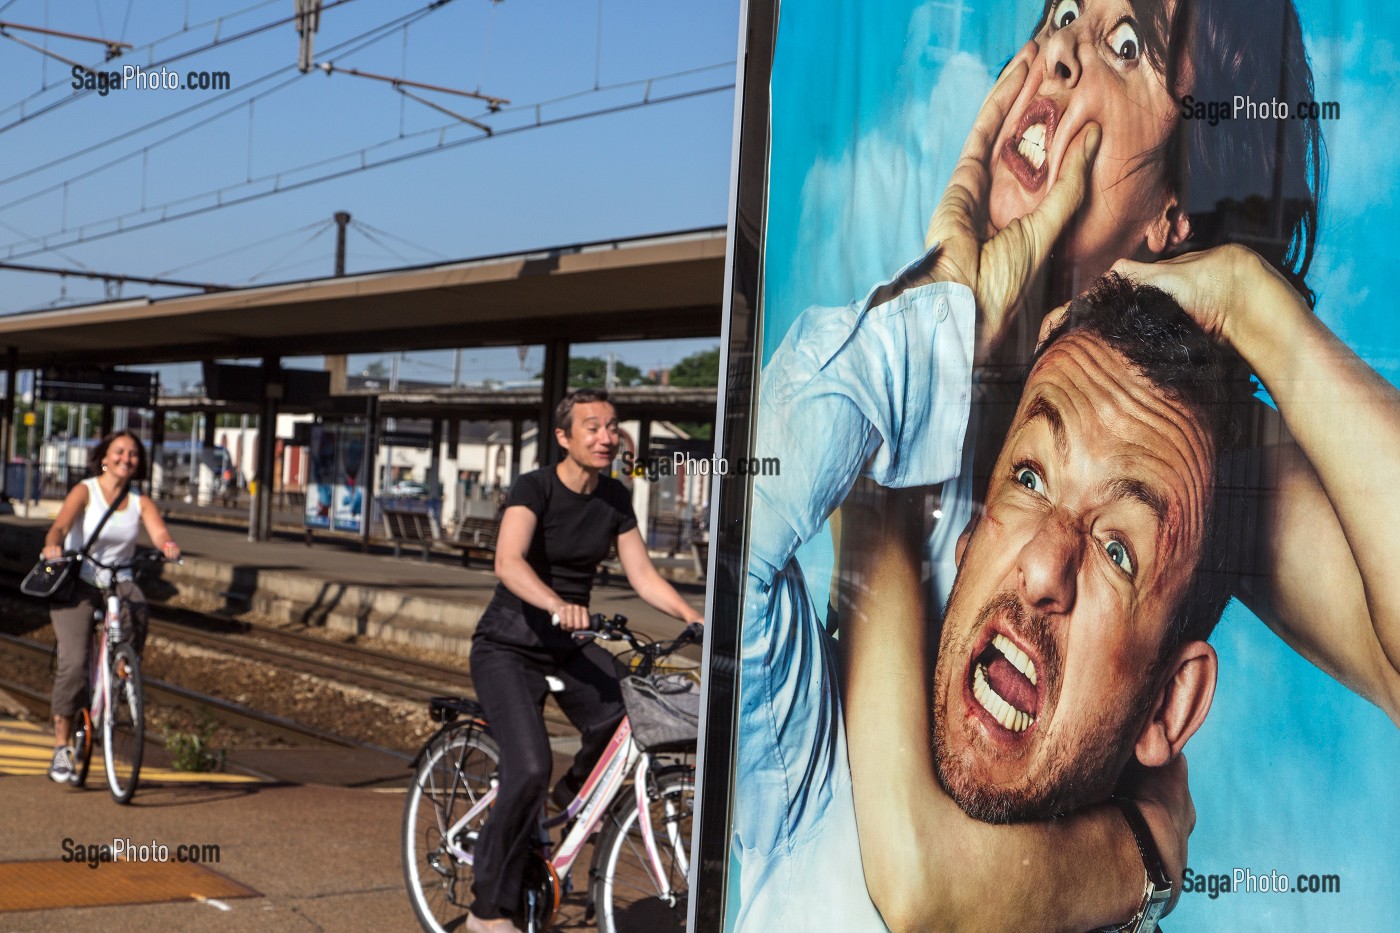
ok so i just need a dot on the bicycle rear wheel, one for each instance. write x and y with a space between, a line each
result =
124 725
454 772
625 890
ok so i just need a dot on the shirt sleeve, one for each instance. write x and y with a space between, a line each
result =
527 491
626 515
881 389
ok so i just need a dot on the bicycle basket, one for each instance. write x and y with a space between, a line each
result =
664 709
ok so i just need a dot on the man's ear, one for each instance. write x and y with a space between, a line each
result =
1170 228
562 437
1181 704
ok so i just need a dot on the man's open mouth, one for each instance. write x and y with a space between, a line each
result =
1004 683
1028 150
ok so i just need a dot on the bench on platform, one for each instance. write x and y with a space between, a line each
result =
476 536
416 528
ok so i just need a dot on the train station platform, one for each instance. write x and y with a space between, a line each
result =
257 856
433 604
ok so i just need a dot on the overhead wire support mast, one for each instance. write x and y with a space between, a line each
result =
114 48
493 104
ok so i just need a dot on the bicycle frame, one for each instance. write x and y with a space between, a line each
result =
620 758
99 664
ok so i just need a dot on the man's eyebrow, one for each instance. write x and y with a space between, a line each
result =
1138 491
1042 407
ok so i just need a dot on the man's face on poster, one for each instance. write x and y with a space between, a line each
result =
1052 654
1088 64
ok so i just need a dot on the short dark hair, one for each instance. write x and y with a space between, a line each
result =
1256 182
564 411
1150 330
99 453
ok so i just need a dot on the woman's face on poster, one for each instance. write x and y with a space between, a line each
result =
1087 64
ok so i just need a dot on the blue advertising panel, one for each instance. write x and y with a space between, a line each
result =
1067 324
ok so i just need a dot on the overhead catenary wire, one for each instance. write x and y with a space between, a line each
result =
278 186
178 56
262 241
347 47
149 45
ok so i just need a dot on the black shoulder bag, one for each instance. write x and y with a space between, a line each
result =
58 579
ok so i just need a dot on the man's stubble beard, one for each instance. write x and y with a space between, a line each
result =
1073 778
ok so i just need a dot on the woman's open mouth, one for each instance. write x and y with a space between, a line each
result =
1027 152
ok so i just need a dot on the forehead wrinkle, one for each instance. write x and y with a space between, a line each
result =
1188 451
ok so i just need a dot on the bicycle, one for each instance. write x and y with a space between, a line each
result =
641 862
116 699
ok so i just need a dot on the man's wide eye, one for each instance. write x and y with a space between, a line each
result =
1064 13
1118 553
1124 42
1030 479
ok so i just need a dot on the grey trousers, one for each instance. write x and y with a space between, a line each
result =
73 623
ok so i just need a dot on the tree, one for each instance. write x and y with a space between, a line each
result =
591 372
699 370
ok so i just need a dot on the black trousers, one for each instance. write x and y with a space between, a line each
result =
510 683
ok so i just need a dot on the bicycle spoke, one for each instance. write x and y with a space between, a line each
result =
454 774
123 725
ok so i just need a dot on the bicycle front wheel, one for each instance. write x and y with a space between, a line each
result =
627 890
124 725
454 772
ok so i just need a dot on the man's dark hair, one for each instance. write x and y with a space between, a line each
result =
99 453
564 411
1151 331
1251 181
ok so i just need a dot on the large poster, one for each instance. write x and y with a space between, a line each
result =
1076 346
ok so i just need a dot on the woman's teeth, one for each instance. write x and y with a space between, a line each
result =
1032 145
1003 712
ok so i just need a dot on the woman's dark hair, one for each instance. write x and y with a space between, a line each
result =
1258 181
99 453
564 411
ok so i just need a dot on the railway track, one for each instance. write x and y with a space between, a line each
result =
233 714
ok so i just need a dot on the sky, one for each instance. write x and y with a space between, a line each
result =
97 182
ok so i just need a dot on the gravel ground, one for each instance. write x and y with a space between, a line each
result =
365 715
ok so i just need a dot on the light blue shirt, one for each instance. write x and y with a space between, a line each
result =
879 388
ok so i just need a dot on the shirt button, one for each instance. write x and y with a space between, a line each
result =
940 308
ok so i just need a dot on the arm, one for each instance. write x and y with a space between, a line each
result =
1333 514
928 866
512 544
73 505
642 576
155 527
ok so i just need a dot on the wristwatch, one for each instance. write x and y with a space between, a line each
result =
1157 890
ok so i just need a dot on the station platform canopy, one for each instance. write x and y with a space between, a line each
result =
660 287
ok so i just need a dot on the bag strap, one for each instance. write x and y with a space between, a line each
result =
106 515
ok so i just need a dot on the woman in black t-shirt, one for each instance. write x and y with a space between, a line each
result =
559 522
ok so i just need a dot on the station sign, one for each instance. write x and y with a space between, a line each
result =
91 385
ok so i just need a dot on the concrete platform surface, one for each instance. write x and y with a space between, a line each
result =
320 858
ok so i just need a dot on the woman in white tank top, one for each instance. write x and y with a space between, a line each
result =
118 462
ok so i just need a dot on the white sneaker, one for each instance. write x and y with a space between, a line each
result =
62 770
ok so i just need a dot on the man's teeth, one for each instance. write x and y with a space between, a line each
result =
1003 712
1016 656
1032 145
